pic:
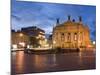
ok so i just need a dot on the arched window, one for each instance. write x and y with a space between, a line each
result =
62 36
69 36
75 36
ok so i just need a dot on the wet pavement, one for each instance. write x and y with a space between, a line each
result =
23 63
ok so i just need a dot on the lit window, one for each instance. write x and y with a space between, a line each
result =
54 42
39 36
14 46
28 46
42 32
68 36
20 34
22 44
43 36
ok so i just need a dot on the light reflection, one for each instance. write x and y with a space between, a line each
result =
20 60
14 53
54 59
43 61
25 63
39 61
80 57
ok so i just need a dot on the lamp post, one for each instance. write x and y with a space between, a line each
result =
93 42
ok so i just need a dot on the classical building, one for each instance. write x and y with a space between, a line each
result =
71 34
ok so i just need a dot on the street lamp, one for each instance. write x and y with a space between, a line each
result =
93 42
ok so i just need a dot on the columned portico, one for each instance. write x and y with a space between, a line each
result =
71 35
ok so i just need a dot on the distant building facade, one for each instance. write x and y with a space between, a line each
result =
71 34
36 35
32 36
50 40
19 39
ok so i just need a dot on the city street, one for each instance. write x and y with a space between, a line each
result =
23 63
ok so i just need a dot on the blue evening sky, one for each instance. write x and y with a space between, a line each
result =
44 15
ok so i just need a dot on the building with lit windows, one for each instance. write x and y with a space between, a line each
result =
19 40
36 35
29 36
71 34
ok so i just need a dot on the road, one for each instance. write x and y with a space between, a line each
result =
22 63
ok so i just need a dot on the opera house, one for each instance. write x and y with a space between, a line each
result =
71 34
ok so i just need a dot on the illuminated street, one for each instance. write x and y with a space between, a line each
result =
33 63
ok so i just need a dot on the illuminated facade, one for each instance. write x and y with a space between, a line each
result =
71 34
29 37
36 35
19 40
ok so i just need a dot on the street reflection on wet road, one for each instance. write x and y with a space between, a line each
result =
22 63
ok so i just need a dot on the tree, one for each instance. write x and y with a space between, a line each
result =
34 41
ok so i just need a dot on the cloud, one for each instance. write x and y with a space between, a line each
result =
15 17
44 15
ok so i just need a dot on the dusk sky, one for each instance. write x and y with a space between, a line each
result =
44 15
